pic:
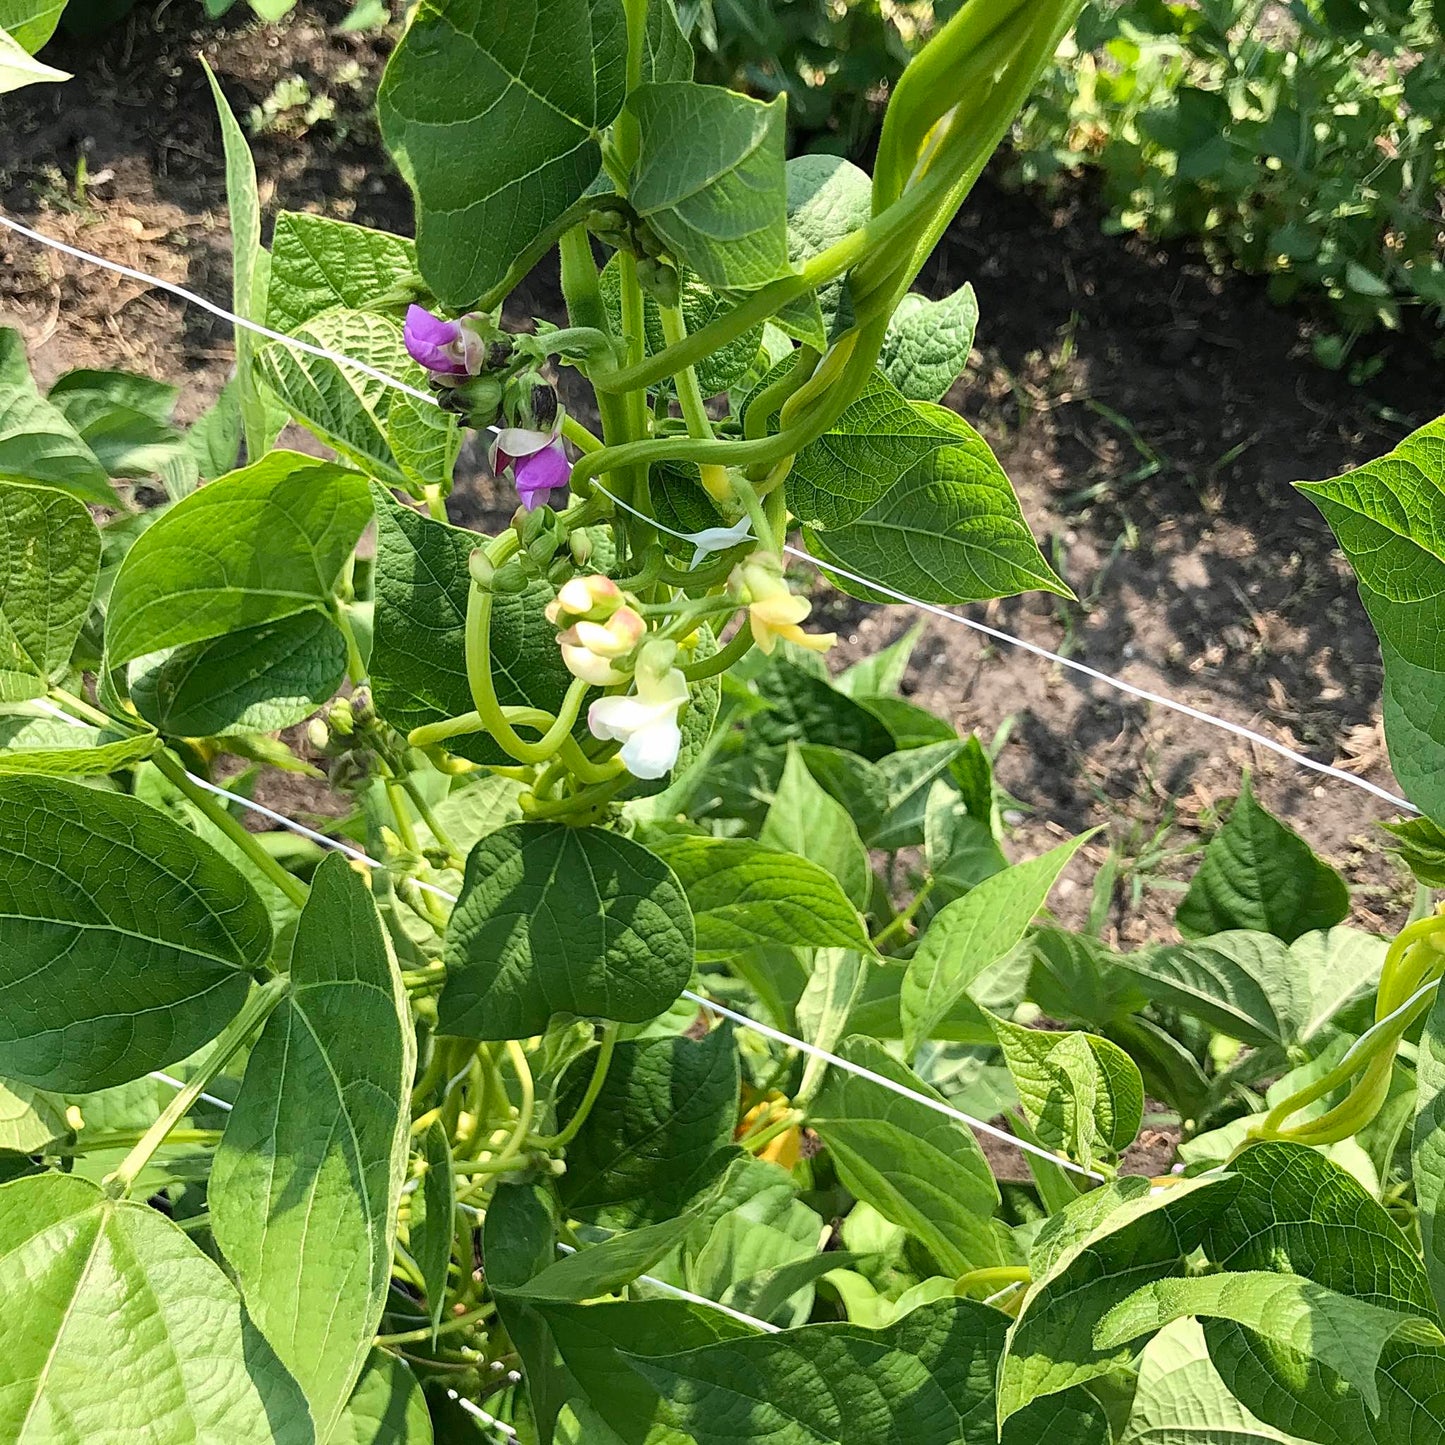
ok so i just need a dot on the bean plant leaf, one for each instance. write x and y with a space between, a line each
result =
480 203
553 919
1420 844
418 655
804 707
124 420
927 1379
710 180
318 263
125 941
264 543
1248 985
910 496
1258 873
30 23
47 745
973 932
49 559
916 1167
743 894
387 1407
652 1140
1180 1399
928 342
250 273
433 1221
19 68
1051 1345
910 775
805 820
396 438
29 1118
1387 517
308 1174
1342 1333
828 197
118 1328
37 444
1295 1212
1428 1147
255 679
1081 1093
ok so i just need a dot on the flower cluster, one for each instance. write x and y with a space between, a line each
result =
604 642
531 450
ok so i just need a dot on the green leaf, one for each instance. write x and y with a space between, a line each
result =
743 894
1051 1344
433 1223
480 203
123 419
49 559
37 444
881 673
250 270
119 1329
387 1407
710 180
255 679
910 496
806 821
1257 873
828 198
554 919
308 1174
928 1379
1247 985
47 745
1080 1093
928 343
823 1008
125 941
960 848
806 708
1180 1399
389 435
264 543
1344 1334
599 1269
910 776
1339 966
29 1118
1077 977
318 263
1420 844
18 68
1296 1212
418 659
1427 1150
652 1139
916 1167
1386 515
30 23
214 439
973 932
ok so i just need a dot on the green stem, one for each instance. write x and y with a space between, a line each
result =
600 1066
355 664
899 924
436 503
526 1111
991 1279
788 1119
233 1037
429 817
734 650
578 434
447 1327
81 708
583 295
217 813
128 1138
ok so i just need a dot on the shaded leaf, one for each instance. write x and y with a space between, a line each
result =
928 342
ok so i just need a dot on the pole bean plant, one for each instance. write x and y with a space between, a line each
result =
604 1072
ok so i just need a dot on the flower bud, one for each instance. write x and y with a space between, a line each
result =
660 279
580 546
511 578
480 566
593 597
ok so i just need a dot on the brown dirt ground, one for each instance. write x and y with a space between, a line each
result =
1151 414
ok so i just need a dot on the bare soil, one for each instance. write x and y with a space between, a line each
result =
1151 413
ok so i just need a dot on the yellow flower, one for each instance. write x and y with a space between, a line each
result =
774 612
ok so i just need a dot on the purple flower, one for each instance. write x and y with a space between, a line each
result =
445 348
538 463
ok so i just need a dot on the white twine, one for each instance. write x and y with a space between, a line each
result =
997 634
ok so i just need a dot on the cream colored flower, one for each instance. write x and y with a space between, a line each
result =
645 723
773 611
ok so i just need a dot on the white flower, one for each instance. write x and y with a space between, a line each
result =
718 539
645 723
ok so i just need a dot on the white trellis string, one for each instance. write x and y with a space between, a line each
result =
997 634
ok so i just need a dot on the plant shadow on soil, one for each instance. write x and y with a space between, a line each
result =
1151 414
